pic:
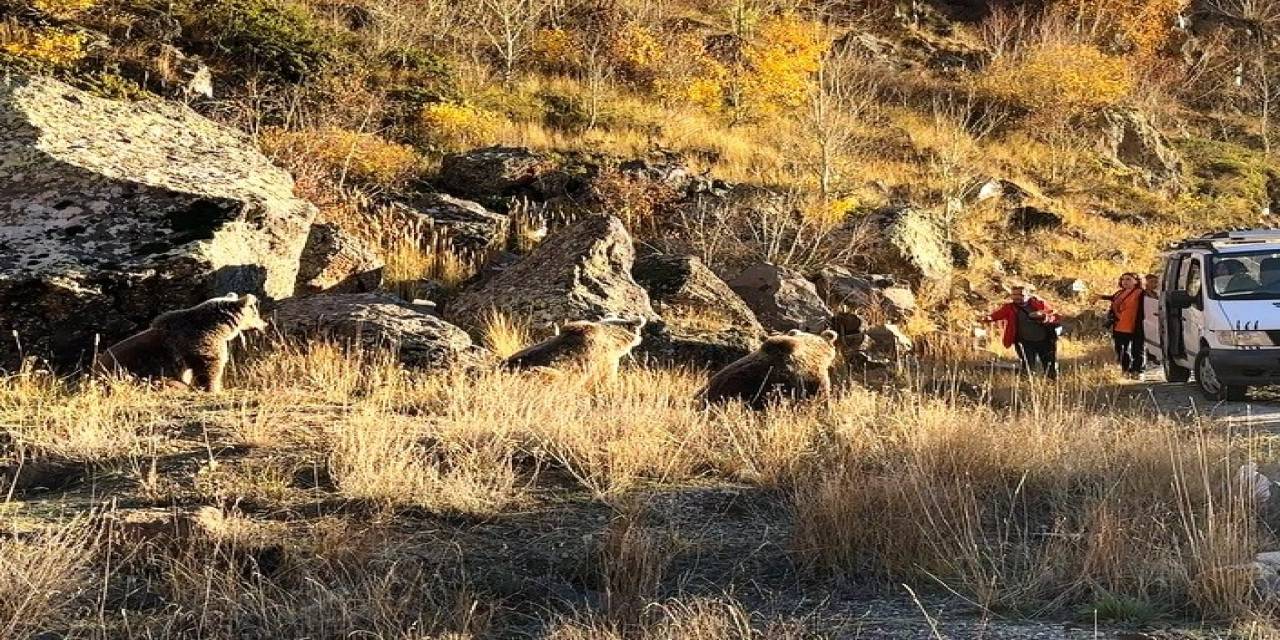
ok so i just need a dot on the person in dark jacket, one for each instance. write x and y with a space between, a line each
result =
1030 329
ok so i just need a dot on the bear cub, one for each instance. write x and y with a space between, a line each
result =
795 365
596 348
188 347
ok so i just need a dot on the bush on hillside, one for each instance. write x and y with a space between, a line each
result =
42 49
352 156
277 38
447 126
1056 82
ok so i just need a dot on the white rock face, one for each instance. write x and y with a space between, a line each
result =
112 212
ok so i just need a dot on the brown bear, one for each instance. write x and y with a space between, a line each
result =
594 348
186 347
795 365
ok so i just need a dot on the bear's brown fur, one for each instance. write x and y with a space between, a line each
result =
795 365
186 346
596 348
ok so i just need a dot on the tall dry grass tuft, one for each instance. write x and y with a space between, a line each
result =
633 561
684 619
1035 509
99 419
504 335
43 576
377 458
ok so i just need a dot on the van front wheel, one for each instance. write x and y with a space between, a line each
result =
1211 387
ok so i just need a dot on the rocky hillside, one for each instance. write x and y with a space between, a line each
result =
957 145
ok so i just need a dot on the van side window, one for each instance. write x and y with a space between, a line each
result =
1193 278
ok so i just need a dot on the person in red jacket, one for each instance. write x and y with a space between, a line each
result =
1030 328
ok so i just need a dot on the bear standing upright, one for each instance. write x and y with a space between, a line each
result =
795 365
188 346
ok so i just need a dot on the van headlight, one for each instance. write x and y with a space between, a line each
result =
1245 338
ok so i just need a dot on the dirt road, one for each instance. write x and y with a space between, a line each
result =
1260 413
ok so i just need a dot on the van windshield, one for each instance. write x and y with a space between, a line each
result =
1246 276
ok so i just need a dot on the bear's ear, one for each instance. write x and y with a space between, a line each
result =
794 332
830 336
230 295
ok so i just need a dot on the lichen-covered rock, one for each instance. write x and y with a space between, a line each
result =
466 225
376 322
705 324
782 299
913 244
334 261
111 212
581 272
491 171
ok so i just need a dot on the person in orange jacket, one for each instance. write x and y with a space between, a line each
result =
1124 318
1030 329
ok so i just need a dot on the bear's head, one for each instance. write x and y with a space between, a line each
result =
816 350
626 331
249 317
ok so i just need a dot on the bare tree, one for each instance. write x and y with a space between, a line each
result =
839 103
1259 22
508 27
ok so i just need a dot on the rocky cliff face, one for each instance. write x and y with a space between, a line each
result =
111 212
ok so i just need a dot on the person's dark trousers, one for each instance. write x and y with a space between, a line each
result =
1043 353
1129 351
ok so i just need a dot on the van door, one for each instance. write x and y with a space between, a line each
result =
1170 331
1192 281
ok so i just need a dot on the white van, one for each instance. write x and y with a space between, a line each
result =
1219 313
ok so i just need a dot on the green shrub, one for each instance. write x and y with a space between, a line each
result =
276 37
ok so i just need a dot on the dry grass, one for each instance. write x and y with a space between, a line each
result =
43 576
1031 498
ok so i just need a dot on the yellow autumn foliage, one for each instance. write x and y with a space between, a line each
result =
50 47
448 126
360 157
63 8
1059 81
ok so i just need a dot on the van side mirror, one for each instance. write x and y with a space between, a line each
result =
1179 299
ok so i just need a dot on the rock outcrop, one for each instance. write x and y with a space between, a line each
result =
111 212
782 299
872 294
491 172
1128 138
580 272
374 322
334 261
705 324
466 225
913 243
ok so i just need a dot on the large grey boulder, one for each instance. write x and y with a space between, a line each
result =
781 298
111 212
334 261
466 225
491 171
704 322
580 272
683 288
374 322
